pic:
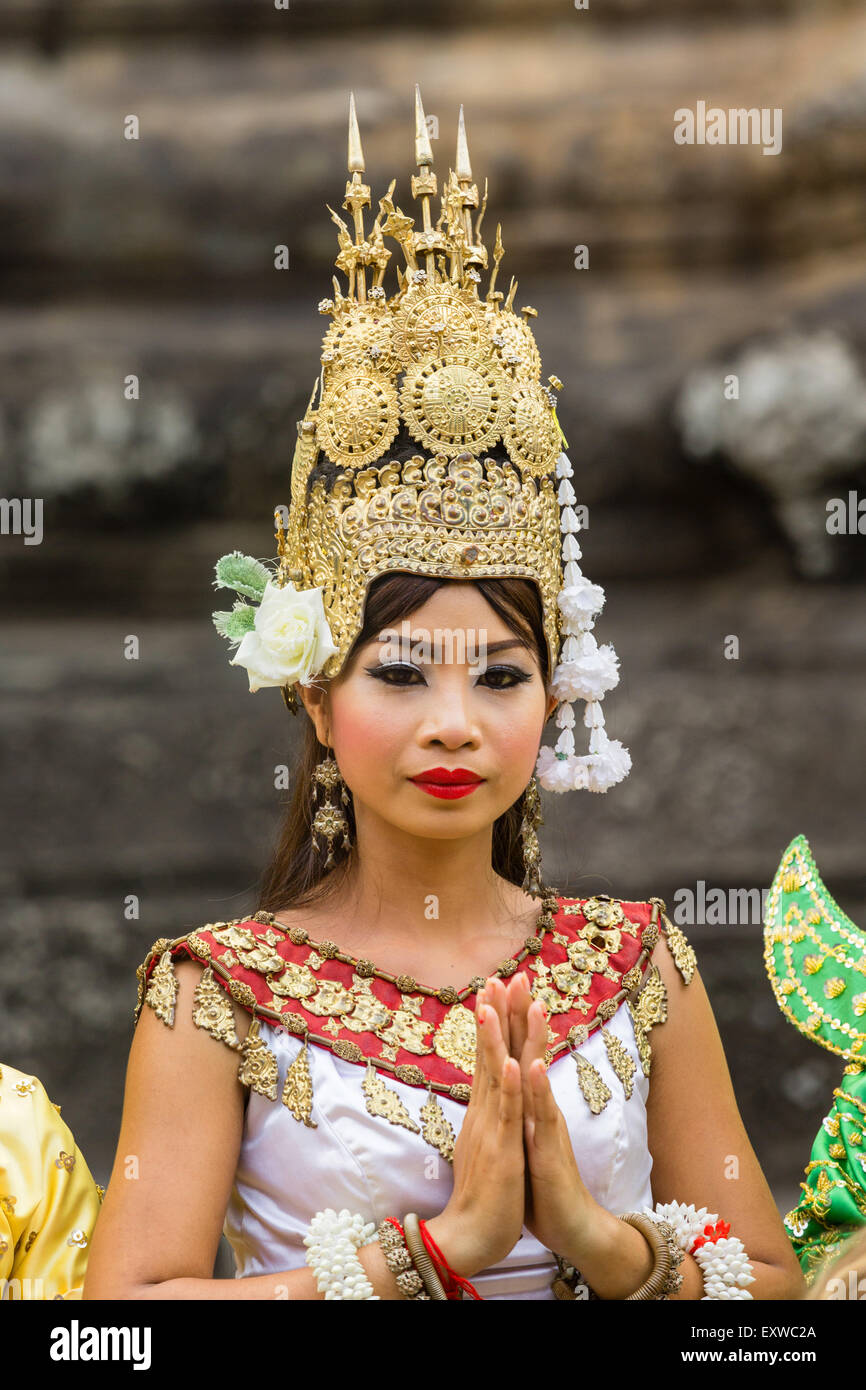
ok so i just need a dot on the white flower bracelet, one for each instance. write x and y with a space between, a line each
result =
332 1243
722 1260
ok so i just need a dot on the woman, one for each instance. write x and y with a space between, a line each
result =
346 1097
184 1111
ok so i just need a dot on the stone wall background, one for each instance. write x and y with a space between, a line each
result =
156 257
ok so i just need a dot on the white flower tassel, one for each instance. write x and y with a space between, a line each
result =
585 671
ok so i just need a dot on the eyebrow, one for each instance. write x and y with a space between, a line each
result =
493 647
503 646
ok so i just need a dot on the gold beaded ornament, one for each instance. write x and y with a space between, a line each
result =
429 446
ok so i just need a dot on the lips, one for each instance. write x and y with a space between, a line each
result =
447 783
443 777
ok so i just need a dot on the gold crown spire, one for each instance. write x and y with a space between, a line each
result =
471 252
424 186
354 256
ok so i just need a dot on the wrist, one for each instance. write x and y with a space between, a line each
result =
446 1235
613 1257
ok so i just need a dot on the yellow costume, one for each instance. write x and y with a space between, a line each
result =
49 1201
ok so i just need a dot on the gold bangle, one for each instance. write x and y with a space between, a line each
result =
420 1257
661 1236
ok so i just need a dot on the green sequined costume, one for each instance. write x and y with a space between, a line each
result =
816 960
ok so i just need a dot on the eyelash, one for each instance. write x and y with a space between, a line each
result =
382 671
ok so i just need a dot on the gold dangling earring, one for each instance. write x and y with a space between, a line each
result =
532 819
329 820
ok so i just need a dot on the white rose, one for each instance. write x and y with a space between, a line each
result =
291 639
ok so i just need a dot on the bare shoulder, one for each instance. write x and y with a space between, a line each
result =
689 1030
177 1153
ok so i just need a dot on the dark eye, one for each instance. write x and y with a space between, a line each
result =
399 670
513 675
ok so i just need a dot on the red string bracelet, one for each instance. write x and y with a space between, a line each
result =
452 1282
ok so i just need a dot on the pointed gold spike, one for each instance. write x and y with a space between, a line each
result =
423 148
498 253
462 167
480 218
356 154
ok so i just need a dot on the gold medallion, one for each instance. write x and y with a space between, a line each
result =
531 432
455 403
515 346
360 337
438 319
358 417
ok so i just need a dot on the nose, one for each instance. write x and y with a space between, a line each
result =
449 719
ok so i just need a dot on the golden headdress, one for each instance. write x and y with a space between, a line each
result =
429 446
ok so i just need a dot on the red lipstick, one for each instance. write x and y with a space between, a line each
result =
448 783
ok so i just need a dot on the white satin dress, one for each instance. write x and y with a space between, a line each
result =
287 1171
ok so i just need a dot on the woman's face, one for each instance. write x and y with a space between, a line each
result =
470 699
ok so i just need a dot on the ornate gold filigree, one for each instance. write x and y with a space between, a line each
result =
620 1060
297 1094
651 1005
380 1100
258 1066
684 956
359 337
213 1011
456 1038
531 432
162 994
455 403
436 319
595 1091
463 517
437 1130
358 418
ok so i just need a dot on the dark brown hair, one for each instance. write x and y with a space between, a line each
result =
295 876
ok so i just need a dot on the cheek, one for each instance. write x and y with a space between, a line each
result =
517 742
367 737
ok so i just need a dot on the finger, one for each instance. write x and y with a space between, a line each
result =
519 999
511 1102
533 1048
544 1106
480 1075
492 1048
497 996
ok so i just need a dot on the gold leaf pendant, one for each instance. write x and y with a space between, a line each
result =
162 992
382 1101
595 1092
437 1127
644 1050
258 1067
213 1011
298 1090
684 955
620 1060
